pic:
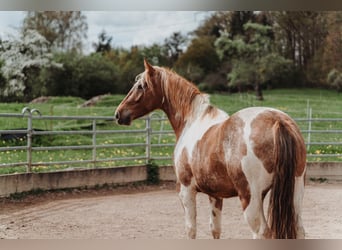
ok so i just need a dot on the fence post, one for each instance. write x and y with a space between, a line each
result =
148 139
94 143
29 135
309 128
29 143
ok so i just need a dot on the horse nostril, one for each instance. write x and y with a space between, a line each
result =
117 116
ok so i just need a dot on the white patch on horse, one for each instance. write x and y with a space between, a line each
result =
257 176
197 126
252 167
187 195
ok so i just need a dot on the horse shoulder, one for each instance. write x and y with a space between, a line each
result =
186 144
196 128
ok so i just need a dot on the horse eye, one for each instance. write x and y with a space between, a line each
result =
142 86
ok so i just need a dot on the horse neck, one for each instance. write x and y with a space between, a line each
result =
181 102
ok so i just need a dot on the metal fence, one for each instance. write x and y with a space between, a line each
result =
45 145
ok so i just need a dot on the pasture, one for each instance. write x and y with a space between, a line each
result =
297 103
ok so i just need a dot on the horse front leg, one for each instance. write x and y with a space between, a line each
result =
215 216
187 195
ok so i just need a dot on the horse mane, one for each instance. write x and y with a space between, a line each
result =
181 99
180 92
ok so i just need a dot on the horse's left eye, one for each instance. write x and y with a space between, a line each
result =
140 87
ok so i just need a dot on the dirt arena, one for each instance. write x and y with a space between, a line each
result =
148 213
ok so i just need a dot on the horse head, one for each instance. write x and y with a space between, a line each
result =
145 96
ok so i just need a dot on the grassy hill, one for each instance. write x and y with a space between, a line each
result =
293 101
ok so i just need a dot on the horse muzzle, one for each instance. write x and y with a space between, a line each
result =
123 118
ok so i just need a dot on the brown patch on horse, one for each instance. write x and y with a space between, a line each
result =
262 135
184 171
218 203
235 129
211 111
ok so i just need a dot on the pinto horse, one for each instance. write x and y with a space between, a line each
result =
248 154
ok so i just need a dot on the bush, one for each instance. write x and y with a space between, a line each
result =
152 173
334 79
83 76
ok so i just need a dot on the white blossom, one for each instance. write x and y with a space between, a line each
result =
32 50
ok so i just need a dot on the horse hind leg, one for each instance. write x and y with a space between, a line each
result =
255 217
215 216
298 202
187 195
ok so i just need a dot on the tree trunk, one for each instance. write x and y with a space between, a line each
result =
258 92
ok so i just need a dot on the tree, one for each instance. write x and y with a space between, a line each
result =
104 43
300 35
156 54
200 62
213 26
2 78
83 76
252 58
64 30
199 59
130 66
23 59
237 21
331 53
174 46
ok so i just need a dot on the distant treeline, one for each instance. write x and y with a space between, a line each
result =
230 51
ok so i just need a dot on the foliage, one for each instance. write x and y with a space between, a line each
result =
23 59
174 46
199 59
300 36
2 77
254 62
334 79
104 43
237 21
64 30
213 26
83 76
276 70
329 56
152 173
250 49
130 65
157 55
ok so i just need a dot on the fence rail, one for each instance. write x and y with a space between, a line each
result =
154 139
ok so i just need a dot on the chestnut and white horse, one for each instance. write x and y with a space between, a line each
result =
248 154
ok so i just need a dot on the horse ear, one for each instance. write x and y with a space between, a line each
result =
149 68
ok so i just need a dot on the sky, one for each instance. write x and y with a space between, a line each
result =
126 27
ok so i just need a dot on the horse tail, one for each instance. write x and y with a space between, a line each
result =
282 214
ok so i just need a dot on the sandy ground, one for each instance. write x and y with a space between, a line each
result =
149 213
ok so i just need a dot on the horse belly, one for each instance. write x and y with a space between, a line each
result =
212 173
216 184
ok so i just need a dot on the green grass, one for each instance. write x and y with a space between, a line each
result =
295 102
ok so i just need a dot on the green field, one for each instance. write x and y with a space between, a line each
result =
323 103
